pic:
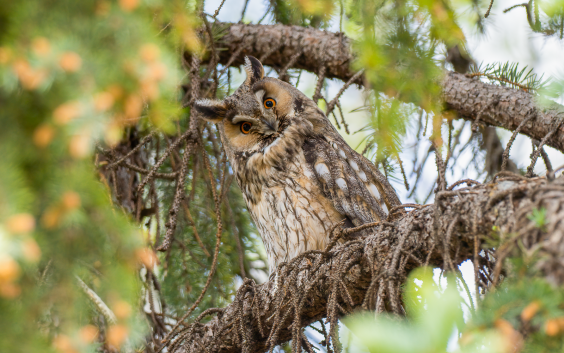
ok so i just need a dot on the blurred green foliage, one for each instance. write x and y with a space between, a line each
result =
72 73
528 311
312 13
398 45
550 22
538 215
434 320
524 314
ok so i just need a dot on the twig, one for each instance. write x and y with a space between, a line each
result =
402 172
489 9
395 208
319 85
168 337
441 168
232 59
235 230
552 174
169 176
468 182
165 155
343 117
178 197
104 309
290 63
500 79
505 155
141 144
194 229
270 51
244 10
495 100
219 8
537 152
333 102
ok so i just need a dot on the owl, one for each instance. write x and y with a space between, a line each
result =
298 176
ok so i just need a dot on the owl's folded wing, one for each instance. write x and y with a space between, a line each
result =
355 186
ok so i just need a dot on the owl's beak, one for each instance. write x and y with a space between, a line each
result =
271 123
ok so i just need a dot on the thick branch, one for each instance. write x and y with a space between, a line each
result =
373 269
276 44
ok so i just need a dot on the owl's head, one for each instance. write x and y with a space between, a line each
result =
259 112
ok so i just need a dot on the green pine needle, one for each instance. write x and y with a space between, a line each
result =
510 74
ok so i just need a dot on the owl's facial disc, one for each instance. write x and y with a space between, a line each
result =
255 115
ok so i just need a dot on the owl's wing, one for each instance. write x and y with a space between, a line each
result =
355 186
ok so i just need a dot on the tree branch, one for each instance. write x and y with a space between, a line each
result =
368 272
275 44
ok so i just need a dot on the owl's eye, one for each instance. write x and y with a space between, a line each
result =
246 127
269 103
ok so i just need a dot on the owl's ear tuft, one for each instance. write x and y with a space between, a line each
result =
211 110
254 70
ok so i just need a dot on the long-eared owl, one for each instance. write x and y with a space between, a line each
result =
298 176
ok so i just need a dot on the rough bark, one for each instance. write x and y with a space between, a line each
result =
498 106
503 107
369 272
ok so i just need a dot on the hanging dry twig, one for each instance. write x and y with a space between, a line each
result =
319 85
291 62
133 151
333 102
178 197
535 155
512 139
489 9
152 173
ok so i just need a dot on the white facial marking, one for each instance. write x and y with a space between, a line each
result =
354 166
260 94
267 149
341 183
374 191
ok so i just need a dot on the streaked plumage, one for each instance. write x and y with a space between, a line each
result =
297 174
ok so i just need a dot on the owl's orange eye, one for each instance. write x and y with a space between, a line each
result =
269 103
246 127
